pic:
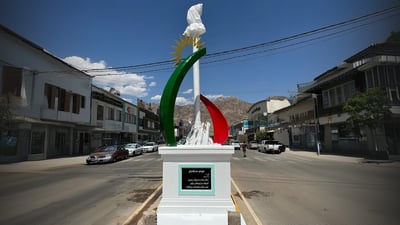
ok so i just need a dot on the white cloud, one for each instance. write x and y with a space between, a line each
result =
85 64
156 98
129 100
152 84
183 101
213 97
127 83
188 91
178 101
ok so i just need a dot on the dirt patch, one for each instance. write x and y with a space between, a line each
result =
254 193
140 196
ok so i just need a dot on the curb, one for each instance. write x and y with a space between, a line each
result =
135 216
252 213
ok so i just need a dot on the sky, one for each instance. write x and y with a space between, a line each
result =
255 48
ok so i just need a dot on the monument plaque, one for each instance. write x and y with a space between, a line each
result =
196 179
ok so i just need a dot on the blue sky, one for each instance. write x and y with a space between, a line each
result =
101 34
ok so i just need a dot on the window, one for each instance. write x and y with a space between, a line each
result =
110 113
332 97
64 100
325 99
82 102
388 77
130 118
61 145
100 112
37 142
8 143
381 76
348 90
12 80
393 94
337 95
369 77
119 115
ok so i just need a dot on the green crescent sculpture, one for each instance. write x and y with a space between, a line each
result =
167 102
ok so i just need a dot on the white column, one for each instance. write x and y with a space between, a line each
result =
196 90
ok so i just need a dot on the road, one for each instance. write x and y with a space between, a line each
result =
281 189
295 189
79 194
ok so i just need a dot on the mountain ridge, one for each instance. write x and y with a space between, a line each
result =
234 110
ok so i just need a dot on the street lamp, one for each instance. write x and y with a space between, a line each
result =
316 122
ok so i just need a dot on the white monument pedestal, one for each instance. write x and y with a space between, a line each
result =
196 185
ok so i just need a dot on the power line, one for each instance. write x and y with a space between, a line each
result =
308 33
253 49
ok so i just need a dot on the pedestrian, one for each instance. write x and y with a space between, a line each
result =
244 148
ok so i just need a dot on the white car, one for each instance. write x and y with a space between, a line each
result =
150 147
271 146
134 149
236 145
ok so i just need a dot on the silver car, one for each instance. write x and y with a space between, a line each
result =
134 149
150 147
253 145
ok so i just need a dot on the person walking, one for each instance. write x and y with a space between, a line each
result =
244 148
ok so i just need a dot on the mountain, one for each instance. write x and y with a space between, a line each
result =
234 110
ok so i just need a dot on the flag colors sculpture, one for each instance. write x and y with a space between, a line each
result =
199 133
196 184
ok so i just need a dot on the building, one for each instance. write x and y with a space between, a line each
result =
48 99
115 120
376 66
149 123
259 114
295 125
237 129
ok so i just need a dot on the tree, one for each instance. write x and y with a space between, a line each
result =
394 37
242 138
262 135
5 114
368 108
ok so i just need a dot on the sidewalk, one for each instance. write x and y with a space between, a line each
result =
325 156
352 159
42 165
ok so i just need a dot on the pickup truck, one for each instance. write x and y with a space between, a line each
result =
271 146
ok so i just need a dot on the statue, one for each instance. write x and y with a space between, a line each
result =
199 133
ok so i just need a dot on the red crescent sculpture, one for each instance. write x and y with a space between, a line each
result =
221 127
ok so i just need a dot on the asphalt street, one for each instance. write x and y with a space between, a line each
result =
295 187
304 188
67 191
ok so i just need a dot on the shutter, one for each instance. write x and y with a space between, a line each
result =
67 103
53 93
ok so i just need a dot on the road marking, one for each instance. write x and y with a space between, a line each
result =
253 214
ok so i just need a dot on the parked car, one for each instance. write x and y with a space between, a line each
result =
182 141
271 146
134 149
236 145
150 147
106 154
253 145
